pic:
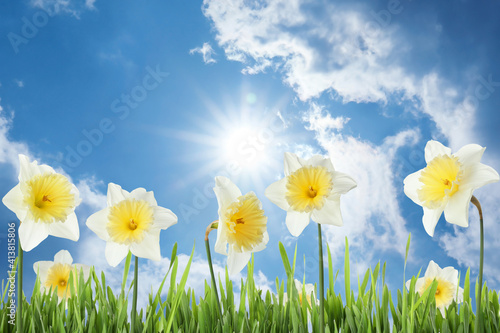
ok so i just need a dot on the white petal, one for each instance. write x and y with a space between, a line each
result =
342 183
411 186
418 285
297 221
149 248
460 297
164 218
262 245
431 218
141 194
63 257
449 274
31 234
435 148
116 194
469 154
115 253
292 163
276 192
42 268
433 270
236 261
226 192
84 268
318 160
68 229
27 170
329 214
478 175
14 201
97 222
457 209
221 242
76 193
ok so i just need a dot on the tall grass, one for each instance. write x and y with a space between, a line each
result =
95 308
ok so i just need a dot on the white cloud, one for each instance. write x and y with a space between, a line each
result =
206 51
72 7
372 217
9 149
19 83
90 195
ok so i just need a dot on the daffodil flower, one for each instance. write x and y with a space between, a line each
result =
131 222
56 274
309 288
447 279
44 201
447 182
311 189
242 227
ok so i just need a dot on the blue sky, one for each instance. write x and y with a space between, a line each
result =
166 95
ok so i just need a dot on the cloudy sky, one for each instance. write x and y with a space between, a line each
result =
166 95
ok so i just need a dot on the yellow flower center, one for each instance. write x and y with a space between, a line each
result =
246 223
440 180
48 197
308 297
58 276
129 220
444 292
308 187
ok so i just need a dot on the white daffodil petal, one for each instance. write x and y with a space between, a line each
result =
460 297
431 218
469 154
149 247
225 191
27 170
318 160
164 217
221 242
276 192
435 148
31 234
236 261
432 269
449 274
411 185
115 253
42 268
141 194
14 201
457 209
342 183
478 175
84 268
63 257
116 194
418 285
329 214
297 222
292 163
68 229
97 223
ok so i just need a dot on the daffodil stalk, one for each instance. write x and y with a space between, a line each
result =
20 288
321 283
134 299
210 227
476 203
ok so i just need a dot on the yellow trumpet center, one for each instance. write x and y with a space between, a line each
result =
308 187
246 223
48 197
444 291
129 220
440 180
58 276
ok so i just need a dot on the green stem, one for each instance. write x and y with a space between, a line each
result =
20 288
212 226
478 325
134 300
321 284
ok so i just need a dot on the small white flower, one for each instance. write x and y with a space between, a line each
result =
56 273
242 225
446 291
447 183
310 190
309 287
131 222
44 201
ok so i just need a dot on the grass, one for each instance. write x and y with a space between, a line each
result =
95 308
